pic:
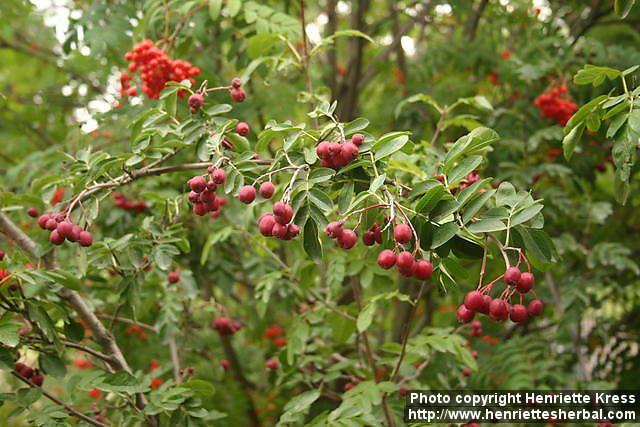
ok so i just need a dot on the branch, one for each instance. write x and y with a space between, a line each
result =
175 359
474 19
66 407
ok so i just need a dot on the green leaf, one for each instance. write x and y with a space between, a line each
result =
202 389
52 365
594 75
462 169
476 205
311 240
389 144
430 199
474 142
377 183
9 335
365 317
443 234
487 225
233 7
214 8
296 408
525 214
420 97
320 199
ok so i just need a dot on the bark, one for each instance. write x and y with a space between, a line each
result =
474 19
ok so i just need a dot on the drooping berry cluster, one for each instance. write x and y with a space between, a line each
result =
236 92
278 222
405 261
156 69
203 192
135 206
345 237
29 373
338 154
553 104
499 309
225 326
62 228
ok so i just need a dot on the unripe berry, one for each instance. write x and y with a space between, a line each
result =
333 229
197 184
402 233
243 129
347 239
272 364
386 259
85 239
219 176
196 101
236 82
238 94
173 277
512 276
535 307
474 300
322 150
518 313
267 189
56 238
247 194
266 223
423 270
404 259
464 315
526 283
498 310
357 139
32 212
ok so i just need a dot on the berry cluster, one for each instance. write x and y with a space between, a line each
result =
499 309
203 192
552 104
156 69
278 224
236 92
29 373
276 335
225 326
136 206
62 228
137 331
335 154
372 236
476 328
405 261
345 237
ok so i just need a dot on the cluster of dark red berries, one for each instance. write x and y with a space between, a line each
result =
203 192
499 309
135 206
345 237
29 373
225 326
156 69
476 328
554 105
236 92
137 331
278 222
335 154
405 261
62 228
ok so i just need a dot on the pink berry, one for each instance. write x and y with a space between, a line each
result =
32 212
56 238
267 189
219 176
196 101
404 260
518 313
474 300
347 239
236 82
282 212
512 276
526 283
535 307
386 259
498 310
423 270
402 233
357 139
243 129
265 224
464 315
197 184
238 94
272 364
85 239
42 221
322 150
279 230
333 229
173 277
247 194
64 229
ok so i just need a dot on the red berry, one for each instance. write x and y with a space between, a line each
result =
197 184
474 354
386 259
348 151
334 149
476 324
464 315
65 229
526 283
518 313
247 194
535 307
173 277
38 379
272 364
219 176
266 223
404 259
357 139
225 364
402 233
42 221
74 236
512 276
193 196
211 185
32 212
238 94
498 310
196 101
243 129
95 393
267 189
52 224
283 212
200 209
85 239
279 230
423 270
236 82
347 239
368 238
466 372
322 150
56 238
474 300
132 91
292 231
333 229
